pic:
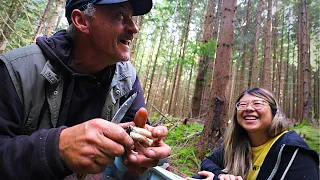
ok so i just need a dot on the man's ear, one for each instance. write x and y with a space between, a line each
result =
80 21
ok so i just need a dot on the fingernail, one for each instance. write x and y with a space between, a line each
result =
159 132
134 158
152 153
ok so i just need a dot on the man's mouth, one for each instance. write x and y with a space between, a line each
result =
126 42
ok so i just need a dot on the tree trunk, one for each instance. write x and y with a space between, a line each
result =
282 69
217 116
244 59
168 68
138 20
275 46
295 85
53 18
155 64
147 71
305 59
205 100
184 42
186 99
254 72
317 90
203 60
266 74
43 20
287 90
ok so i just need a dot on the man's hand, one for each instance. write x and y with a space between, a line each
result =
89 147
143 158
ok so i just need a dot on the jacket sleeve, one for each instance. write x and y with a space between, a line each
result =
21 156
304 166
213 163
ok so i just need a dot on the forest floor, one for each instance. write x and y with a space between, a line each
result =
183 138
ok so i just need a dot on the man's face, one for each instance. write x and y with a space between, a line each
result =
111 32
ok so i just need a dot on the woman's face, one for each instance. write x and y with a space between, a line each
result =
255 115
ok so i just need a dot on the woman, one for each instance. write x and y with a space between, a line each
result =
258 146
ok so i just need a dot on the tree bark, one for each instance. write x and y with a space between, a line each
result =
217 116
282 69
254 72
203 60
53 18
138 20
43 20
183 45
205 100
275 46
155 64
244 59
266 74
305 59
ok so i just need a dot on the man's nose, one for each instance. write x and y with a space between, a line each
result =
132 26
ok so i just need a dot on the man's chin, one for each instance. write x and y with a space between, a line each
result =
124 59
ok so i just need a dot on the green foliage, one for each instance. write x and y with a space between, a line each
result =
26 23
207 49
311 134
182 144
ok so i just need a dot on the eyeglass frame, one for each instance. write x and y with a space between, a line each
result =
250 103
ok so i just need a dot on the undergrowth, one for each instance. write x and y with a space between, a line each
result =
182 144
311 134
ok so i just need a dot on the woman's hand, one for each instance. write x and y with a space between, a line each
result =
229 177
207 174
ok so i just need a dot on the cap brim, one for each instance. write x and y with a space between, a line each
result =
139 7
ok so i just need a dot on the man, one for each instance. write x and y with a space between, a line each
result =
58 96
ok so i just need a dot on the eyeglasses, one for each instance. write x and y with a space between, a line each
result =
255 104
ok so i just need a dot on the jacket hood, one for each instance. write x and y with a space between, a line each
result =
57 49
291 138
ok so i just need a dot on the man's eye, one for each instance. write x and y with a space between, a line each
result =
121 14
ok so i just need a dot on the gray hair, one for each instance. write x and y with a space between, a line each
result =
89 11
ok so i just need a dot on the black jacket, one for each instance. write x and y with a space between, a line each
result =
304 166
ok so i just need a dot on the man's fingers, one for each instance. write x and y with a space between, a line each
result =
140 119
158 152
118 134
158 132
127 124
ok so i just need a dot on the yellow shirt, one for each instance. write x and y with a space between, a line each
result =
259 154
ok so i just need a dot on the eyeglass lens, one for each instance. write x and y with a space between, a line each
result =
257 105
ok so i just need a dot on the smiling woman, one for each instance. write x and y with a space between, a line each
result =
259 131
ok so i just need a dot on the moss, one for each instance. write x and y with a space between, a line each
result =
311 134
183 149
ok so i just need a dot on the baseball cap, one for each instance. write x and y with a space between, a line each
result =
139 7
